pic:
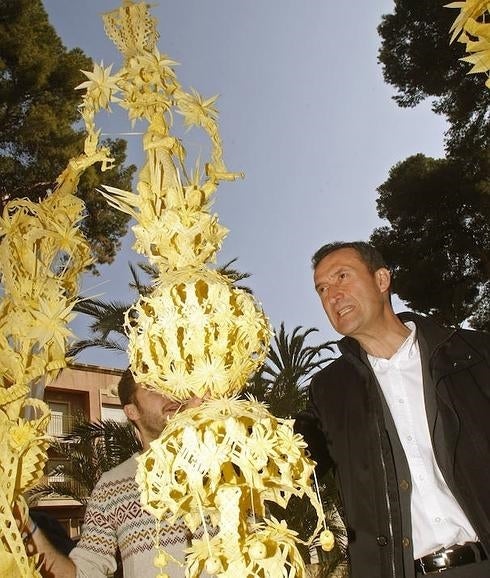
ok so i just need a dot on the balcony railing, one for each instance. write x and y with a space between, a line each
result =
60 424
59 482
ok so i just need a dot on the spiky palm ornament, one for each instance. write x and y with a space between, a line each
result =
42 254
471 28
196 334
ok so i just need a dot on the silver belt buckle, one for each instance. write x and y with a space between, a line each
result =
440 560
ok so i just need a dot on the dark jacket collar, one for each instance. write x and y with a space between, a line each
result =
433 333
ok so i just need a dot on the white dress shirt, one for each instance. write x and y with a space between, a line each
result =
437 518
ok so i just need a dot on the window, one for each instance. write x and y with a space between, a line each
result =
113 412
60 418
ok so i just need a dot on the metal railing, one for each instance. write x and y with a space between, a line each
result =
60 424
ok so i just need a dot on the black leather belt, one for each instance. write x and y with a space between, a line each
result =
457 555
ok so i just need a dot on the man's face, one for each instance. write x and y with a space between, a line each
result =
153 411
352 297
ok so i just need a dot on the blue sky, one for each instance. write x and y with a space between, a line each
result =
304 113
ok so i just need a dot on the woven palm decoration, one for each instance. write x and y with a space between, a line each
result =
42 254
470 29
196 334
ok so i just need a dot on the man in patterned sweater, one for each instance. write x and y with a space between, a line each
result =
114 518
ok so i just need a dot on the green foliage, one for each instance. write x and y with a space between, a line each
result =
38 122
89 450
420 63
438 244
103 225
438 239
281 382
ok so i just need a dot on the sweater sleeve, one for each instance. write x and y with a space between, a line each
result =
95 554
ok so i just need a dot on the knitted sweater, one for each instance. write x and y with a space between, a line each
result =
114 518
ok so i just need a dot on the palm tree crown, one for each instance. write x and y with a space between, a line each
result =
281 382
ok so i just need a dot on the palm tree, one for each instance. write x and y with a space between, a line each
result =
87 451
281 382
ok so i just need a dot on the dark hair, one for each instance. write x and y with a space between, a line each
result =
126 388
370 256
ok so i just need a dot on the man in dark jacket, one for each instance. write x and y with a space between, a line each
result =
404 415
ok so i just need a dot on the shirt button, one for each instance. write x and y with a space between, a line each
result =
382 540
409 438
406 542
437 520
404 485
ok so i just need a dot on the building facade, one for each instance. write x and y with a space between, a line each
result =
81 392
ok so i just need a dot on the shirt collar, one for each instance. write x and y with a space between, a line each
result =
406 351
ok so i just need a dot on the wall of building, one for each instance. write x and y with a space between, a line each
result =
80 390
